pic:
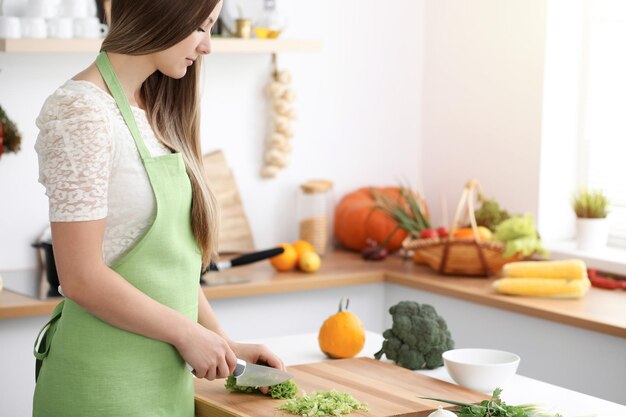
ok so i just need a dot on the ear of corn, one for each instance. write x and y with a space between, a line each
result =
574 269
543 287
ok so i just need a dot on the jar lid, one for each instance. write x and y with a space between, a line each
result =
316 186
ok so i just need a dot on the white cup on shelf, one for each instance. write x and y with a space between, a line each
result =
89 28
60 28
10 27
34 27
77 8
42 8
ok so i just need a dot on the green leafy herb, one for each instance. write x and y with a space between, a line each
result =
287 389
495 407
323 403
406 211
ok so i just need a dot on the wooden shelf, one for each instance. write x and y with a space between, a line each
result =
220 45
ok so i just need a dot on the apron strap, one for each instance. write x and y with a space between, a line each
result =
108 74
44 338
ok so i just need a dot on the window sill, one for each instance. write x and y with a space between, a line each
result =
609 259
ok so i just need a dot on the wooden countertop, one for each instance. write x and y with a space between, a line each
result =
600 310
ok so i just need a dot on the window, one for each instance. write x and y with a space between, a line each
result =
603 138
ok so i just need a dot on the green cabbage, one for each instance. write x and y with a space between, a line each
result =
519 235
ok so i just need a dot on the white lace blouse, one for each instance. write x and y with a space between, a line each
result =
90 166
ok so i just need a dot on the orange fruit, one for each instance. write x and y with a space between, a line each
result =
302 246
468 233
309 261
286 260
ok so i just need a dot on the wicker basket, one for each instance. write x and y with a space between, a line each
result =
452 256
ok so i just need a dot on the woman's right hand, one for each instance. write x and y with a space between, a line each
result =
207 353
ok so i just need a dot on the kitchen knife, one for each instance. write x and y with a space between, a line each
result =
243 259
252 375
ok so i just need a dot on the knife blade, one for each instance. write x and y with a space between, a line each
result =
253 375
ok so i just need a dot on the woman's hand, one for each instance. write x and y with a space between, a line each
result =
206 352
253 353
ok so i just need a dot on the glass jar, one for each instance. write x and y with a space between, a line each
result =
315 214
271 22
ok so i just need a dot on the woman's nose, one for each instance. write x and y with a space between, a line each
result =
204 47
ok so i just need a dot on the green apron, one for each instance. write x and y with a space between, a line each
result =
89 368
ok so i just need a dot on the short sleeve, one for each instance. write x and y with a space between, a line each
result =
75 151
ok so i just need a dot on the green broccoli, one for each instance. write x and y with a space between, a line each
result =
417 338
287 389
490 215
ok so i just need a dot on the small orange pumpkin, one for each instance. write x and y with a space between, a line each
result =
342 335
356 220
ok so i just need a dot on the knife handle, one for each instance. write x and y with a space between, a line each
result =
241 366
256 256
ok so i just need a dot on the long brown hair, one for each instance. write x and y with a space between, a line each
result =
140 27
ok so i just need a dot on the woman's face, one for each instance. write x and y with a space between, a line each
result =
174 60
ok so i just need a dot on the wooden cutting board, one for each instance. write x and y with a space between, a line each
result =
235 235
387 389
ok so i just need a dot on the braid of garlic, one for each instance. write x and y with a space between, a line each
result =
279 141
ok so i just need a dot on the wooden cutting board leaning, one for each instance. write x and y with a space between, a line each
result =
235 235
387 389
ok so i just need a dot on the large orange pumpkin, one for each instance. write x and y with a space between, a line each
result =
356 221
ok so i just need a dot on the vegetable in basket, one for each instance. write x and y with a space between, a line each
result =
417 338
490 215
520 236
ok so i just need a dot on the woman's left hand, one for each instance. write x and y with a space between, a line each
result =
253 353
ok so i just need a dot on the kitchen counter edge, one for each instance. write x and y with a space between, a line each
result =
600 310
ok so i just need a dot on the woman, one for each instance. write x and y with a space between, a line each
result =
132 224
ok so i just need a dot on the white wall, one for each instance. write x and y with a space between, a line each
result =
482 101
358 103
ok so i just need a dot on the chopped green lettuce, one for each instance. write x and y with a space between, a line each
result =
287 389
323 403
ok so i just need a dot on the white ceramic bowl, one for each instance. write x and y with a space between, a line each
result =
480 369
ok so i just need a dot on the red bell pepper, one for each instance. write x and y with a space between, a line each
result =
608 283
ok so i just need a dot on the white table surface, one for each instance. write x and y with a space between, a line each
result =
303 348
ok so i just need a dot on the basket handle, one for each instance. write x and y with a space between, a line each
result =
471 189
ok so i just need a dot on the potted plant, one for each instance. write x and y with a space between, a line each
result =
592 227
